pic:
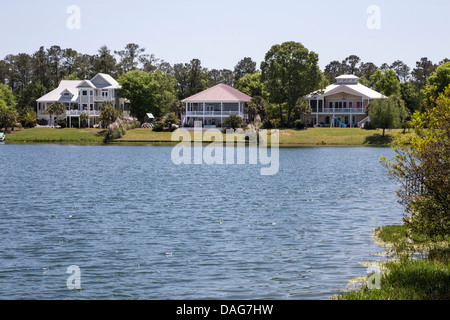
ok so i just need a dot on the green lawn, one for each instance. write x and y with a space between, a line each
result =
290 137
51 135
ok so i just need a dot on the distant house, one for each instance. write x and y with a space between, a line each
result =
214 105
342 104
83 96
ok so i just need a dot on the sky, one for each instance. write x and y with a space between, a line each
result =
220 33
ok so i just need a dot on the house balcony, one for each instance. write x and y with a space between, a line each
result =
212 113
70 113
340 111
93 113
103 99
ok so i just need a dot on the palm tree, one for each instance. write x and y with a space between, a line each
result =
106 104
109 115
233 121
84 117
257 106
8 115
56 108
302 107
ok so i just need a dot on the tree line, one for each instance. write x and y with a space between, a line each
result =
289 72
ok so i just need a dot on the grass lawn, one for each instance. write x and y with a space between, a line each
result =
289 137
51 135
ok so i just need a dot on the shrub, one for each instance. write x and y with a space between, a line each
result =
42 122
300 125
158 127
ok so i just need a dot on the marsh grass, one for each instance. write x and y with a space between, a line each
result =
418 268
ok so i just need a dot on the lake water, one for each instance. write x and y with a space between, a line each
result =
140 227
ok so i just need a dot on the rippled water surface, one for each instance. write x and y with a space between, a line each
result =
140 227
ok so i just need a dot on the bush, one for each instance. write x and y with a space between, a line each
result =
42 122
158 126
62 123
300 125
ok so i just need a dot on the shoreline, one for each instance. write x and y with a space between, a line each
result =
288 138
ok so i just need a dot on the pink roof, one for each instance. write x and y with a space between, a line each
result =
219 93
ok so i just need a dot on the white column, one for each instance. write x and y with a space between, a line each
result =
221 113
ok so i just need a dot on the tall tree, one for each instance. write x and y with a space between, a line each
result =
387 113
424 68
437 83
181 74
297 70
54 55
105 62
130 57
243 67
332 70
401 69
252 85
386 83
41 69
23 69
148 92
367 69
350 64
197 77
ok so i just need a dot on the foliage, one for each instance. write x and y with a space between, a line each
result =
386 83
234 121
8 115
29 119
302 107
148 92
388 113
422 166
108 115
56 108
437 83
244 67
291 71
257 106
252 85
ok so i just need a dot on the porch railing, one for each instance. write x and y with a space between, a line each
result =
212 113
339 110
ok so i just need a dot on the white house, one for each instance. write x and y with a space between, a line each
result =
342 104
83 96
214 105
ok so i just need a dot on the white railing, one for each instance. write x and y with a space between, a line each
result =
212 113
100 98
94 113
337 110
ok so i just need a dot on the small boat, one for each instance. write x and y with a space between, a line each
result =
2 136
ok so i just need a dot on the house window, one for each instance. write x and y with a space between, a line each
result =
105 93
84 92
92 107
66 94
92 93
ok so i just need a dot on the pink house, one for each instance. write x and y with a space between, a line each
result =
214 105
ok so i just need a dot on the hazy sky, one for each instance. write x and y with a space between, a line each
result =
220 33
